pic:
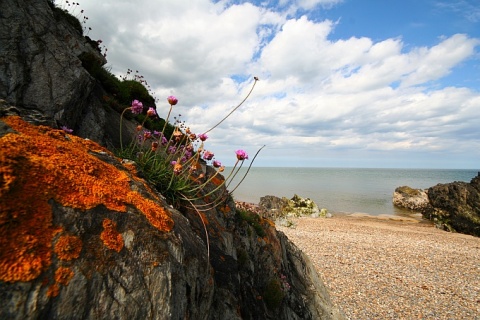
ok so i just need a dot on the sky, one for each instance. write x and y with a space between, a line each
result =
342 83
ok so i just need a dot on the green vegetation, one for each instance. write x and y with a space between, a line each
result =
253 220
274 293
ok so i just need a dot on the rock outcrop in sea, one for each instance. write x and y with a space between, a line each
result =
451 206
283 210
409 198
83 236
455 206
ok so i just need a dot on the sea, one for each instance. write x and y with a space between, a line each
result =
341 190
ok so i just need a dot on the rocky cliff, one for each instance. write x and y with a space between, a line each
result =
42 73
82 236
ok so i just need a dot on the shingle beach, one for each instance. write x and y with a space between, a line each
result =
391 267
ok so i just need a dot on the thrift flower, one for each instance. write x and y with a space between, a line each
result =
177 168
241 155
137 107
151 112
147 134
66 129
172 100
207 155
217 164
164 141
203 136
154 145
177 134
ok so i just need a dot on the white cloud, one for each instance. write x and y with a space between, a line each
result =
316 96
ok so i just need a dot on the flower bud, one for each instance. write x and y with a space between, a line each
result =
172 100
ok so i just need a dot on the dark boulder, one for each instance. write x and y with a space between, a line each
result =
42 73
456 206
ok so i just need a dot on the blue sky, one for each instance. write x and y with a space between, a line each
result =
349 83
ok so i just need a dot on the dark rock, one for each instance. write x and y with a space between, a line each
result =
272 205
456 206
42 78
409 198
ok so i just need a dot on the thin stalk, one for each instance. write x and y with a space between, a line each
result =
204 228
234 109
166 120
121 121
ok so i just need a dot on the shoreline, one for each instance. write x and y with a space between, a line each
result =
384 268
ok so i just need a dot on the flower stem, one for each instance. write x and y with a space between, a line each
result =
234 109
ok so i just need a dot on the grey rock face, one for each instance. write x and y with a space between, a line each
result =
42 77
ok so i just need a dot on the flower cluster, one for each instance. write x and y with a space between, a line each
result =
172 158
284 283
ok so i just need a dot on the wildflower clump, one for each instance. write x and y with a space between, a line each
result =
174 162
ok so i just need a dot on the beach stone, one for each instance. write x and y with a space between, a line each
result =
280 208
455 206
410 198
272 206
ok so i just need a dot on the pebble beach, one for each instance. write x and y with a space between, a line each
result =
390 267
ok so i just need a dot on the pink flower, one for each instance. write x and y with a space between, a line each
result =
66 129
207 155
217 164
147 134
151 112
137 107
241 155
172 100
202 137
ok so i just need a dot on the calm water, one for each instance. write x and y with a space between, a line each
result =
342 189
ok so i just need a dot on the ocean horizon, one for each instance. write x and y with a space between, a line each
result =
341 190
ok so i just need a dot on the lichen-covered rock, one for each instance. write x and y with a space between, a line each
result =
283 210
455 206
409 198
295 207
82 237
299 207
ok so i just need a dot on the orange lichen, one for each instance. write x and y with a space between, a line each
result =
63 275
225 209
156 215
68 247
217 180
110 236
38 164
53 290
204 218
